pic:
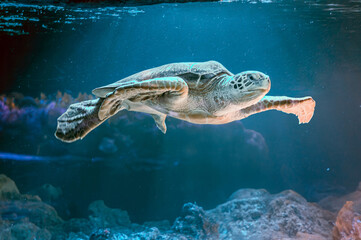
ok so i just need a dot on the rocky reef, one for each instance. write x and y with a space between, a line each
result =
348 224
25 216
248 214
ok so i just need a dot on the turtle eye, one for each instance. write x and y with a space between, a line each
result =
251 77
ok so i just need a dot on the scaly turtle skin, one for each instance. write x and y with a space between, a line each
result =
201 93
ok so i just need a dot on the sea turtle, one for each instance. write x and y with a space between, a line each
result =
197 92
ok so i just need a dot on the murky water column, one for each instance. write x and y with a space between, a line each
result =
127 180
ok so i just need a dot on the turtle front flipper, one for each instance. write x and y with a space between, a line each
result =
303 108
137 91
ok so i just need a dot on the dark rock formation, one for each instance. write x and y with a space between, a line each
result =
22 231
105 217
161 225
78 226
107 145
335 203
37 212
194 222
47 192
8 189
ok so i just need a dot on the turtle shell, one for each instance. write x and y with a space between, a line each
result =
200 76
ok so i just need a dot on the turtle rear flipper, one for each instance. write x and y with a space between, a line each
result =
79 120
160 122
137 91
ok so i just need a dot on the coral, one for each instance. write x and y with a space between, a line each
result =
17 107
348 224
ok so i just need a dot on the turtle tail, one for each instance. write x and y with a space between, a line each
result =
79 120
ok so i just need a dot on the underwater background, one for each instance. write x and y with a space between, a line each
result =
53 54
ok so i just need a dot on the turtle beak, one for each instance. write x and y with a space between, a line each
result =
269 83
265 84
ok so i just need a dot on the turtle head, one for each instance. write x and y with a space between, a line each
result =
249 87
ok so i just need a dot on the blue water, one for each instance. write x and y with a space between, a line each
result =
309 48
